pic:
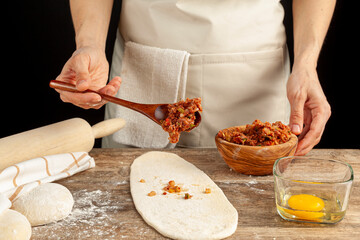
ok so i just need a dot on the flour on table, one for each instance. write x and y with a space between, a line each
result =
89 211
204 216
250 185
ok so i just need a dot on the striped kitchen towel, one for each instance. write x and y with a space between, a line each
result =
24 176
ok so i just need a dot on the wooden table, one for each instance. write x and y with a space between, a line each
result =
104 209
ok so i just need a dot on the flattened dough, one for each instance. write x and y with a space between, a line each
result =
204 216
48 202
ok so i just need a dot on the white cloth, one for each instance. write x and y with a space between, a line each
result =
23 177
4 203
149 75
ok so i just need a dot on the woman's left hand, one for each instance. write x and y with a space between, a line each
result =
310 110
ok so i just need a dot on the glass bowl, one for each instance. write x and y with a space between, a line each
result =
311 189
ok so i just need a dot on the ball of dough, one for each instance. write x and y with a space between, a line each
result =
14 226
49 202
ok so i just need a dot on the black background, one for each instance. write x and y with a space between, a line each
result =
39 38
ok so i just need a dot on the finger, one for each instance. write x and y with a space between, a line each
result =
307 123
92 106
86 105
81 63
67 74
112 87
297 112
319 117
306 128
80 98
116 82
313 136
305 146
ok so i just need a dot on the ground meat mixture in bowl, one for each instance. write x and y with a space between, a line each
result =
257 134
253 149
181 117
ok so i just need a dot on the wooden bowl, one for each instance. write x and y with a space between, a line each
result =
254 160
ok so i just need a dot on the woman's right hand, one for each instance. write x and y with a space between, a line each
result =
88 68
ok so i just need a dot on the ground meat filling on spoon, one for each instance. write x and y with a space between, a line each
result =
181 117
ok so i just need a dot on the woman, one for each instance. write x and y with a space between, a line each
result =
238 60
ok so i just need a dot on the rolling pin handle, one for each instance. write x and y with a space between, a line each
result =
108 127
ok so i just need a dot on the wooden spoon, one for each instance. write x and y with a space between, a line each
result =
155 112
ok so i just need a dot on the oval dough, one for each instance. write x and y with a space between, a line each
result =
49 202
14 226
204 216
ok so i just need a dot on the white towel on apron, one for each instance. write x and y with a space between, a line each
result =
150 75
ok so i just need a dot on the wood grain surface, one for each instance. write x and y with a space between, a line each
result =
104 209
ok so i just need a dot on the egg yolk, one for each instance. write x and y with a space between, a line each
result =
309 206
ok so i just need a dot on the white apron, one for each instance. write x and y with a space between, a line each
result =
239 63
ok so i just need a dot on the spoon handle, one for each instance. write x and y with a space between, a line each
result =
56 84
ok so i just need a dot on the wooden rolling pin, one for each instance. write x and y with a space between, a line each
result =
72 135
